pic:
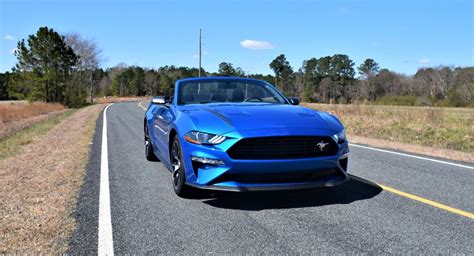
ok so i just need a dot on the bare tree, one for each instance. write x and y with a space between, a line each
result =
151 82
325 89
90 57
434 82
462 92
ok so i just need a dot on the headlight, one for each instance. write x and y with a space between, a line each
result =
196 137
340 137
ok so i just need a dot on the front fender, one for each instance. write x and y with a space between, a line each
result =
181 125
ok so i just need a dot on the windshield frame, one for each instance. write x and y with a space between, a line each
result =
266 85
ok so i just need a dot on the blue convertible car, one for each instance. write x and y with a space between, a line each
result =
242 134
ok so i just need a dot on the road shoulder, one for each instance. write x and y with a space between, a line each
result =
84 240
415 149
39 187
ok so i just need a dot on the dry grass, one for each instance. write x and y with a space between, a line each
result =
444 128
38 188
120 99
10 129
13 102
14 111
18 115
14 144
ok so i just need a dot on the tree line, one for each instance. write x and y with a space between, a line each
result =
332 79
66 68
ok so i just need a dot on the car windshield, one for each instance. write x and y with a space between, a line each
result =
227 91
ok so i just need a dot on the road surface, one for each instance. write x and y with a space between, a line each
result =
356 217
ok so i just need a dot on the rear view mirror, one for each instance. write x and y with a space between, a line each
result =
158 100
294 101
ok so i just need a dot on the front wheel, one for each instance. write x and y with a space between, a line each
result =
149 155
178 171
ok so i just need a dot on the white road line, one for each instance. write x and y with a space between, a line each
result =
106 242
413 156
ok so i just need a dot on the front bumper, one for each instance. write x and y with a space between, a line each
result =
257 175
241 187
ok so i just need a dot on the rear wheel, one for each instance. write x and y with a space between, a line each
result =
178 172
150 156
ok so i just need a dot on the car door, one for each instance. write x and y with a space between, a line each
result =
162 125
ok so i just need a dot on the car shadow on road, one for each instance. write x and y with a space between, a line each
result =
346 193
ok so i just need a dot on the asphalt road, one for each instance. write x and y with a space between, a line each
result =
356 217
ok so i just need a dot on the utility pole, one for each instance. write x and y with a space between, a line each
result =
199 52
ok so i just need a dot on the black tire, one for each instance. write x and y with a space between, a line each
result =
150 156
178 173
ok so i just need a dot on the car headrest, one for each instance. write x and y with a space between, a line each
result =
219 97
202 97
237 95
188 97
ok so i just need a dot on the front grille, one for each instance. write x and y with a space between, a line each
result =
283 147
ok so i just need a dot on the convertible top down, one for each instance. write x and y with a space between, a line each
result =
242 134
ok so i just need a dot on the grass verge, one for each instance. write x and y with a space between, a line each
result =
440 128
10 146
39 186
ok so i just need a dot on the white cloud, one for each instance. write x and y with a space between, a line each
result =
13 50
424 61
256 45
9 38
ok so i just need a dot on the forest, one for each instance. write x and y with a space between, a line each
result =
53 67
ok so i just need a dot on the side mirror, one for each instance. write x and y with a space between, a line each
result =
294 101
158 100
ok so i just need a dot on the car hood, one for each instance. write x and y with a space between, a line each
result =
220 118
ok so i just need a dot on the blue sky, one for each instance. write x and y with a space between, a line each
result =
400 35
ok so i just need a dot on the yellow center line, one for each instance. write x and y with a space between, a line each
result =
418 198
140 105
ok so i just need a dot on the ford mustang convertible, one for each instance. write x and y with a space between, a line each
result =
241 134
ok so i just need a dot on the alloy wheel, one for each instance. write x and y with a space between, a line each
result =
176 163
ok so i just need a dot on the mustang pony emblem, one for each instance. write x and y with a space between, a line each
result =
321 145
